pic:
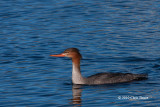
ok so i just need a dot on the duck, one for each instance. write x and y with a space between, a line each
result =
99 78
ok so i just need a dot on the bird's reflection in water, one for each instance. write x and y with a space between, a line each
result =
76 90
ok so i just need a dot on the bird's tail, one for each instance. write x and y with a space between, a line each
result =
141 76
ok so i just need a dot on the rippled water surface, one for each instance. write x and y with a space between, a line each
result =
112 35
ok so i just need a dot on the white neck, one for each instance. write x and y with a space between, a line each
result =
76 74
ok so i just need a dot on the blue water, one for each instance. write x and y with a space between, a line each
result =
112 35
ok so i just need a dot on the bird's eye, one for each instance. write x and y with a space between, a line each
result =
66 52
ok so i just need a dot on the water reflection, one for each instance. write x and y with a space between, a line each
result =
76 90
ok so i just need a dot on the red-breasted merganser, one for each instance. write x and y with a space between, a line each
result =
100 78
